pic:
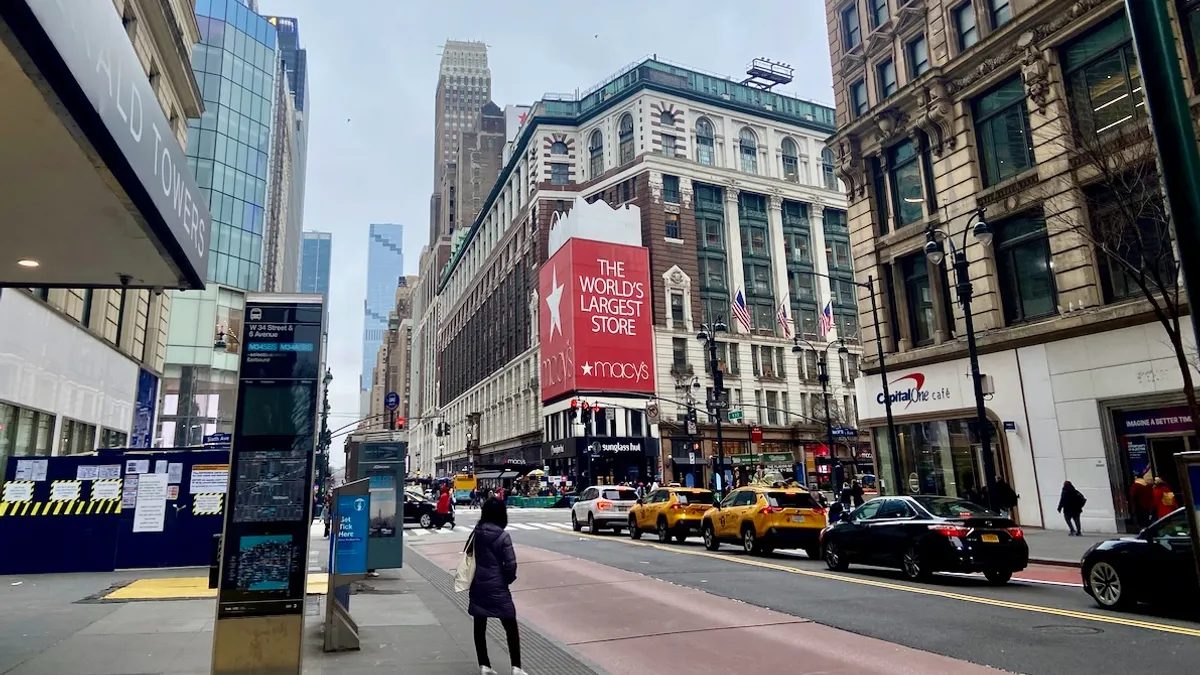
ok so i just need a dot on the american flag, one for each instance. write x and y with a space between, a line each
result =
827 318
739 310
782 317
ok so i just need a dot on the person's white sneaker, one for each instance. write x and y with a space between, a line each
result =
484 670
519 671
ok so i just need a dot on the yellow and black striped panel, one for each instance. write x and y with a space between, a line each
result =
208 504
74 507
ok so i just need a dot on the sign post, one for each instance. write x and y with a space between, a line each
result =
268 505
347 562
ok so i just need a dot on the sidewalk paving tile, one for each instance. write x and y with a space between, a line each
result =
1058 547
150 618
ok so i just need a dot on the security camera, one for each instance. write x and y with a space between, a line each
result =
158 290
125 279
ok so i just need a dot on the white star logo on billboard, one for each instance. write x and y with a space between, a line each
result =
552 301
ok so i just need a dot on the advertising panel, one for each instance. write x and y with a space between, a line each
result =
595 323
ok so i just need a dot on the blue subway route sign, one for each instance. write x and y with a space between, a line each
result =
350 545
281 347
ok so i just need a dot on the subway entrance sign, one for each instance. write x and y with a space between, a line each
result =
268 508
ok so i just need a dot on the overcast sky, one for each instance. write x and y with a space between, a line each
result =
372 74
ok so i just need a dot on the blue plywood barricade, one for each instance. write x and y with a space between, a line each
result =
80 512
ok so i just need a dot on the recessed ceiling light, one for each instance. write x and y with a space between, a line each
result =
28 262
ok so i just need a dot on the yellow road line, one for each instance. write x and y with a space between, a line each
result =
1086 616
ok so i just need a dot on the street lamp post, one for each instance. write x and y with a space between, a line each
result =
823 377
708 336
936 254
325 439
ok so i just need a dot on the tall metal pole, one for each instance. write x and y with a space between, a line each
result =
835 465
963 278
718 389
1174 135
893 441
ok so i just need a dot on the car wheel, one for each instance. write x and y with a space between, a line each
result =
591 524
914 566
834 559
1107 587
813 552
664 535
427 521
998 577
575 522
750 540
710 539
634 532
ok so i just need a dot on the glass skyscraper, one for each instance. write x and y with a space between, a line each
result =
235 65
316 248
385 266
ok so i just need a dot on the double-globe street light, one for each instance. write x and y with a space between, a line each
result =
823 377
936 254
718 404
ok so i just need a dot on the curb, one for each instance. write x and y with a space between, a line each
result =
1054 562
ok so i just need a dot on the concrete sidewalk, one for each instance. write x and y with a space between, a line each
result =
407 626
626 622
1054 547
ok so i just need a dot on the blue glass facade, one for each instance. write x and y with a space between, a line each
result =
385 266
316 250
227 148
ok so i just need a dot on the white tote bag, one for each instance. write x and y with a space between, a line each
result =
466 567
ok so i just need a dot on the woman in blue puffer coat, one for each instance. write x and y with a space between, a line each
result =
495 571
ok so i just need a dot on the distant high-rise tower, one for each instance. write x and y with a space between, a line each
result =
316 251
385 266
464 87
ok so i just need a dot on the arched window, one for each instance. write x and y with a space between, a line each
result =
827 164
791 161
748 143
625 136
596 154
558 148
666 118
705 145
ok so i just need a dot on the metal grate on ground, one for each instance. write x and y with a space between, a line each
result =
539 653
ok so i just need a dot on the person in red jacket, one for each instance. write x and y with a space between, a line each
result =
1164 498
445 510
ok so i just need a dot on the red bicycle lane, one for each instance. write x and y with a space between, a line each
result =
586 606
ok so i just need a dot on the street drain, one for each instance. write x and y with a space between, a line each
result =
1069 630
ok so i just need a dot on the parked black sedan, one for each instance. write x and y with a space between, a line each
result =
1156 566
921 535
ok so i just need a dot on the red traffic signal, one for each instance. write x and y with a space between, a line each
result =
400 422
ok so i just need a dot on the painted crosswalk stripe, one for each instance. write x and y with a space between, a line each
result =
522 526
547 526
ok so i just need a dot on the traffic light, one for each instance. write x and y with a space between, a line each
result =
400 421
585 414
574 409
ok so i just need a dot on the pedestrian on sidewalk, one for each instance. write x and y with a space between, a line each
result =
495 571
1006 497
1164 498
1141 501
445 514
1070 504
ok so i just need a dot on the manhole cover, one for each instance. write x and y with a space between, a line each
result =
1069 630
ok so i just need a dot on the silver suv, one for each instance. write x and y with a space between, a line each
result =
603 506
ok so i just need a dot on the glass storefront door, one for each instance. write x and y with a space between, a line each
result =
938 457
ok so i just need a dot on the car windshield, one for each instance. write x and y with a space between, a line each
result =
1174 525
700 497
949 507
791 500
619 495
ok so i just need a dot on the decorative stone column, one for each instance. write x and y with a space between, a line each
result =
778 253
816 224
735 275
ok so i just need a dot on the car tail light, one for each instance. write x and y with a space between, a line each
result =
950 530
819 511
603 505
1015 532
679 506
770 509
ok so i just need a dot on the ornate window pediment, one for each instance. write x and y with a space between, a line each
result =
909 14
880 39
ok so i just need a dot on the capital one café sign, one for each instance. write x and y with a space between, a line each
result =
594 319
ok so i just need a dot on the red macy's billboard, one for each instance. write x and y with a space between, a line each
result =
595 323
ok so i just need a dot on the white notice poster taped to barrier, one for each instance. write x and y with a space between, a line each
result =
150 512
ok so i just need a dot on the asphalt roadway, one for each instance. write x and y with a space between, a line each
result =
1046 628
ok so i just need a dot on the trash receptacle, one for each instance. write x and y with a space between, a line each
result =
214 562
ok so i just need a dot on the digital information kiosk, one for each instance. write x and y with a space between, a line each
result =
268 507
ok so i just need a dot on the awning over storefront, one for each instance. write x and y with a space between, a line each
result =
95 189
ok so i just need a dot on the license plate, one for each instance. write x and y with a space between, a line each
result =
797 519
990 538
622 509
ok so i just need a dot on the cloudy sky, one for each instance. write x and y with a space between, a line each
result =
372 74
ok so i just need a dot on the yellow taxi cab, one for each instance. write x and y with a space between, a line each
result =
762 519
671 512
